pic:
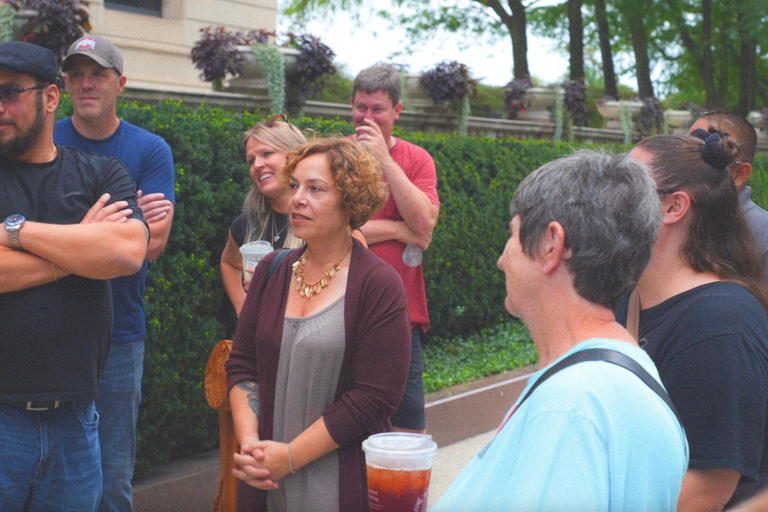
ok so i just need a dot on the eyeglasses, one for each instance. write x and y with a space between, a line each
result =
10 95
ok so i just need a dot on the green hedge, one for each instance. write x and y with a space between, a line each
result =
188 311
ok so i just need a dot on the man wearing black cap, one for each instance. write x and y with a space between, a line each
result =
94 78
72 221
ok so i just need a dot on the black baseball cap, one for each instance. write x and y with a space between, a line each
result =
21 57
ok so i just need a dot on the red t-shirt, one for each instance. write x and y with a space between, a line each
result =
420 169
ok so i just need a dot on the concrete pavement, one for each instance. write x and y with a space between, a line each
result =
451 460
461 419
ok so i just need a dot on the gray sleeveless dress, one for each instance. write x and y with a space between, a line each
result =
311 353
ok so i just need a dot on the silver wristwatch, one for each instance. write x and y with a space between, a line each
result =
13 224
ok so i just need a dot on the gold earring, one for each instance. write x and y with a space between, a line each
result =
349 230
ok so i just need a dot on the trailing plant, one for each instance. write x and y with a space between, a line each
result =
7 15
576 101
56 23
404 87
466 111
559 115
514 96
625 117
651 120
271 61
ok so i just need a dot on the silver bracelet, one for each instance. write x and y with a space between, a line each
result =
290 459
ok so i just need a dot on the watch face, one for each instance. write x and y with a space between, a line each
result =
14 220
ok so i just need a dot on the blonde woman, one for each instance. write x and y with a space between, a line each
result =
265 210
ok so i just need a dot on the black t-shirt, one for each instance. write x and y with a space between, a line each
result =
55 337
710 345
274 234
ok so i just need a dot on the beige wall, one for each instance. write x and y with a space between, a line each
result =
156 50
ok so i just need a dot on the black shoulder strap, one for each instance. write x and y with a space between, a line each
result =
609 356
280 256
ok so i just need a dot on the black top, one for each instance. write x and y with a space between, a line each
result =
274 234
710 345
55 337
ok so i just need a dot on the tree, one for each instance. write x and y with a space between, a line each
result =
422 18
721 40
635 12
604 36
576 39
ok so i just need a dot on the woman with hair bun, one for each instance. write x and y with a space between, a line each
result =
701 307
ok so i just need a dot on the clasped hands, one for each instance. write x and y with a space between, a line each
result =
261 464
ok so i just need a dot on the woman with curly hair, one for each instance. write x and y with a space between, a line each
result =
322 348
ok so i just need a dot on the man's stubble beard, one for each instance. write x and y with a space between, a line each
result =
23 142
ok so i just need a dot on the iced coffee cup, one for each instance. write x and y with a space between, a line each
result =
252 252
399 466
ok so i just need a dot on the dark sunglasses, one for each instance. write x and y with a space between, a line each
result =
10 95
269 123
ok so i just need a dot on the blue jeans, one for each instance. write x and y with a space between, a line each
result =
49 460
118 406
411 413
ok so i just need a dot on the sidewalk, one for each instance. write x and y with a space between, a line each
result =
451 460
461 420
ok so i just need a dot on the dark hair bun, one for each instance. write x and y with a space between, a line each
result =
719 149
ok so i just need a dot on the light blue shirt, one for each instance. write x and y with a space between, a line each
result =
593 437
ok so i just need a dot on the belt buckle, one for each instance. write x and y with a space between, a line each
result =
30 408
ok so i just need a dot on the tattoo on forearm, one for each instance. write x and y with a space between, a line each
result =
252 388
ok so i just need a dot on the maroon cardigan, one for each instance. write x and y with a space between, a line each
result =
373 371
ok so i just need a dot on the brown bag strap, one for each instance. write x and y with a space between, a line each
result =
633 314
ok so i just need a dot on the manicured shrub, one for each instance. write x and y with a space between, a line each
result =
188 311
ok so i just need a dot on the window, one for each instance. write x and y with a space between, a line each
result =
151 7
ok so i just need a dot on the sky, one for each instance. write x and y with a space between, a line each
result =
359 47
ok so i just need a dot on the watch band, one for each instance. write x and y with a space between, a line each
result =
13 237
13 224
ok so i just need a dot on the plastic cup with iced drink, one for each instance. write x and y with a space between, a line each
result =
399 466
252 252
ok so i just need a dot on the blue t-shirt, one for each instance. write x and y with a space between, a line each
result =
593 437
150 162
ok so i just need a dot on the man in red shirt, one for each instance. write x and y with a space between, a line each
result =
408 217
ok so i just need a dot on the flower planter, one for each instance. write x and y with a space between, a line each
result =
678 120
22 18
611 111
252 80
418 99
758 121
539 104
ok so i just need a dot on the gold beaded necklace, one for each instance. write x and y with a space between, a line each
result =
309 289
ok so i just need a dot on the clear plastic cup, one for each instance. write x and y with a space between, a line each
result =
252 252
399 467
